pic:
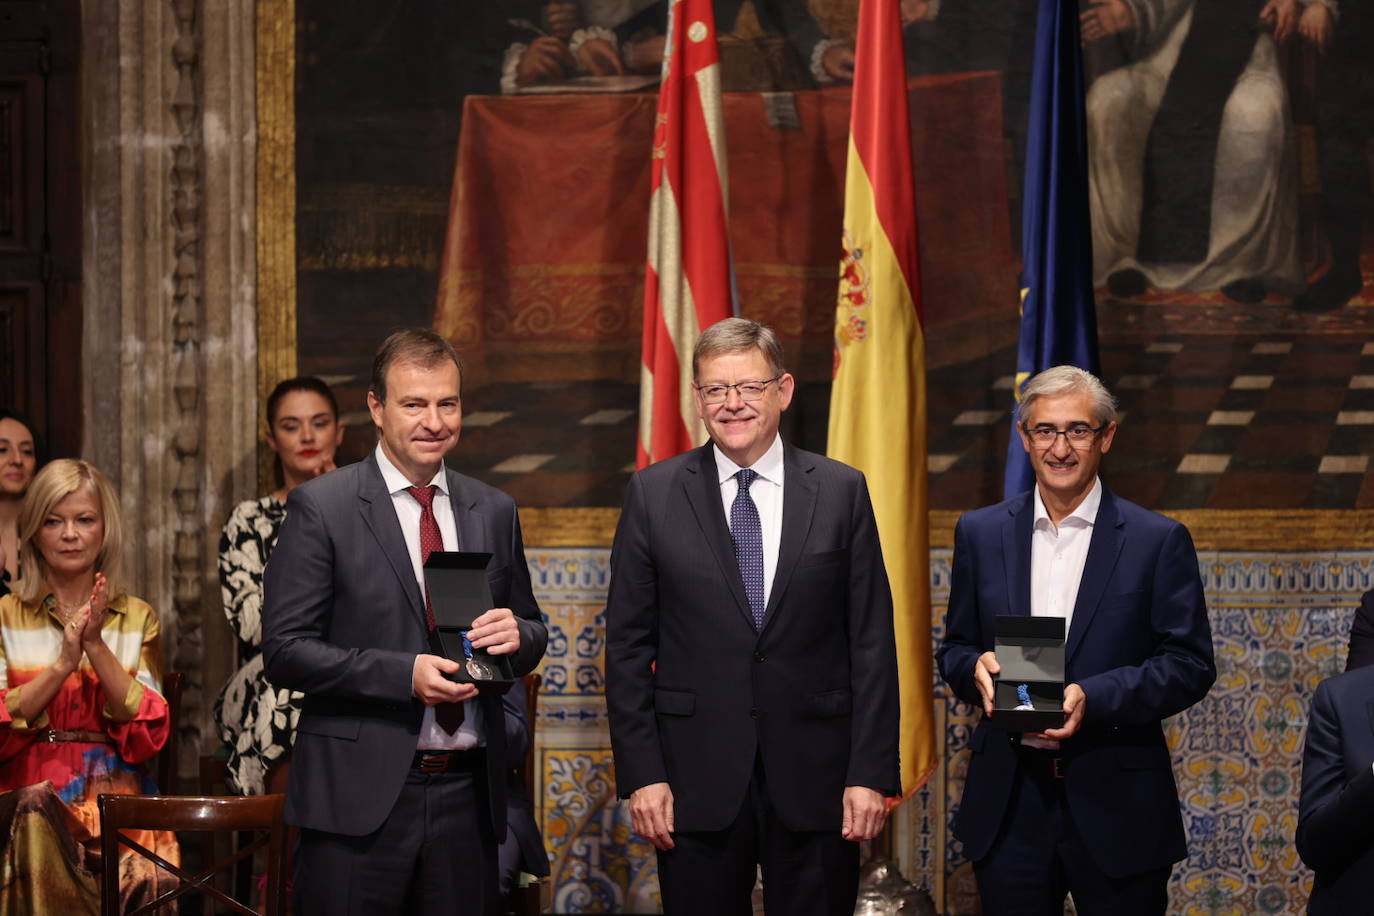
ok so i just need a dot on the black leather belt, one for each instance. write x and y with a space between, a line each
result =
54 735
469 761
1042 762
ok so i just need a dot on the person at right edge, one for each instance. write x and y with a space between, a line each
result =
1089 809
1361 651
1335 835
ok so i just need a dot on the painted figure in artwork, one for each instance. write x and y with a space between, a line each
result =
553 41
1342 37
1192 162
566 38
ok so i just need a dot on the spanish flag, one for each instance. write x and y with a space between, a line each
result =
687 280
878 401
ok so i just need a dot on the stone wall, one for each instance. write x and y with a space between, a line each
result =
169 303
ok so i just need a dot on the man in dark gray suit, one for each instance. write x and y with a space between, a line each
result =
751 673
398 777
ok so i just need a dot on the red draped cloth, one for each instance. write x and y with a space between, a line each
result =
543 263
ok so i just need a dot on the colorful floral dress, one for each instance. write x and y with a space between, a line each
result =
49 820
257 720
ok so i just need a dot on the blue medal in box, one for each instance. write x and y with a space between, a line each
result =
1028 694
459 593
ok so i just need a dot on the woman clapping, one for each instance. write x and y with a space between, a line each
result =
80 677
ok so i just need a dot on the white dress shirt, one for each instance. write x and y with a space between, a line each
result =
432 736
766 491
1058 555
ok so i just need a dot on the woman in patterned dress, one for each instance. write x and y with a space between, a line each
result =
256 720
80 680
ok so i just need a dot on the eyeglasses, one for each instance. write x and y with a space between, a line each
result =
748 391
1080 436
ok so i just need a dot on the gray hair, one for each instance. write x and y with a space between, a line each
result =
1067 380
731 335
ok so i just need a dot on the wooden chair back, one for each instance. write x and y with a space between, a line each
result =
194 813
166 773
213 779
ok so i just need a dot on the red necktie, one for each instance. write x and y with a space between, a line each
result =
448 715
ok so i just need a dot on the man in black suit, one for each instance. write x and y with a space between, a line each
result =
398 779
751 672
1336 808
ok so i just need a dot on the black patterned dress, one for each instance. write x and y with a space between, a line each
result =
256 720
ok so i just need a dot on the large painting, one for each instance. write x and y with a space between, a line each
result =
483 168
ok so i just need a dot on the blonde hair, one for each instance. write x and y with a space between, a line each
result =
53 483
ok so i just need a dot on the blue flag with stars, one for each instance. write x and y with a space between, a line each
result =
1058 320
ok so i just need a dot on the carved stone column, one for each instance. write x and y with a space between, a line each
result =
170 303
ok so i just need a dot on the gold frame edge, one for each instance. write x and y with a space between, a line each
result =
276 204
1212 529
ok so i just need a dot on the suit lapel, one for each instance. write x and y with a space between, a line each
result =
470 523
1016 550
1103 551
702 486
798 505
380 518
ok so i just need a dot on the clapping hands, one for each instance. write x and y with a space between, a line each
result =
96 610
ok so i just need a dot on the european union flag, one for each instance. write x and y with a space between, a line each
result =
1058 321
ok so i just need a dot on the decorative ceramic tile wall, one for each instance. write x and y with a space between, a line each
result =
1280 623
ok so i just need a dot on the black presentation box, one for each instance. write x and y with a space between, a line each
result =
1030 651
459 593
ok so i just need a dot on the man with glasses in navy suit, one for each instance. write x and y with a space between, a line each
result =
1090 808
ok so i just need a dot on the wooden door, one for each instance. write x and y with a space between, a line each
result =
40 207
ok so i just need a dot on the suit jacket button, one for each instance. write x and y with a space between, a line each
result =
753 712
759 656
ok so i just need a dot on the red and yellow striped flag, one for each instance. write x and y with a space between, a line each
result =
878 402
687 284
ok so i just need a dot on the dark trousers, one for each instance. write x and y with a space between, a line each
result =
1039 857
804 873
434 854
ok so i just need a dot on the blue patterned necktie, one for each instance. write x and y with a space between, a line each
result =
747 533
